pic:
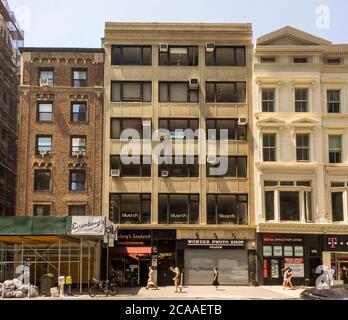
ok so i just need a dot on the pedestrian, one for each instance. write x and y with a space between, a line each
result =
285 278
290 275
150 282
176 279
216 278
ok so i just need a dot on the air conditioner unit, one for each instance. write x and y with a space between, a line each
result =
115 172
165 174
146 123
194 83
242 121
212 160
44 82
78 153
210 46
43 153
163 47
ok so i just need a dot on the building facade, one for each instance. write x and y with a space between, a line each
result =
174 77
300 133
60 154
10 35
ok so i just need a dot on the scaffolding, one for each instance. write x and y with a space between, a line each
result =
60 256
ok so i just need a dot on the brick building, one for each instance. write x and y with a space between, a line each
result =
61 108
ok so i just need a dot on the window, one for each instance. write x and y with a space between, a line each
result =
339 193
268 100
77 210
302 147
40 210
334 61
301 60
177 127
237 168
301 100
130 208
131 55
333 101
43 145
46 77
78 146
77 181
233 130
143 169
119 125
131 91
179 56
268 59
183 167
42 180
226 56
223 92
269 147
78 112
45 111
178 209
79 78
294 199
227 209
177 92
335 149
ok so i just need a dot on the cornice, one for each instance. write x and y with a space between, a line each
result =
310 228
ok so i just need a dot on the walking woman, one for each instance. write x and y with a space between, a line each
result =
176 279
216 278
150 283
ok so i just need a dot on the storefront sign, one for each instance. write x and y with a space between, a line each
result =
297 266
130 216
178 217
336 243
278 251
288 251
267 251
281 239
298 251
134 237
88 226
216 244
226 218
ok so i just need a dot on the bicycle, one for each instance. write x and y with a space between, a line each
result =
104 286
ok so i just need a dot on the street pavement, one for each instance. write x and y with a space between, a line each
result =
196 293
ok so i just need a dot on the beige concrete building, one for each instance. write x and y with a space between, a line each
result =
178 77
300 132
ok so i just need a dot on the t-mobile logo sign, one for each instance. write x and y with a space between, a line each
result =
332 242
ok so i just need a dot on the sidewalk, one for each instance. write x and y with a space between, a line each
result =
197 293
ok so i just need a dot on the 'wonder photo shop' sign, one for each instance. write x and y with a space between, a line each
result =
216 244
88 226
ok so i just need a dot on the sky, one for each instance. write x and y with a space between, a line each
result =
80 23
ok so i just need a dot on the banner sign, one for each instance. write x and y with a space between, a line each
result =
297 266
88 226
216 244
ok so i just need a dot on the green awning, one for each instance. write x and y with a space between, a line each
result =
15 226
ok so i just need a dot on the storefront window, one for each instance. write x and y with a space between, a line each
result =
339 196
227 209
130 208
178 209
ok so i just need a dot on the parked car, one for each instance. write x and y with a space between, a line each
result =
334 293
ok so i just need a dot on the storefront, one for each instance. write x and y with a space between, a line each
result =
278 251
131 257
335 255
200 256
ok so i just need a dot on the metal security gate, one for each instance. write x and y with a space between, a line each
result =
232 264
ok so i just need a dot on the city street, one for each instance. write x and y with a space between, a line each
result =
196 293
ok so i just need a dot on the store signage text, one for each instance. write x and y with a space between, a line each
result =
216 243
273 239
135 235
88 226
128 215
337 242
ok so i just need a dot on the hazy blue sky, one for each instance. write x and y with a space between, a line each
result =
80 23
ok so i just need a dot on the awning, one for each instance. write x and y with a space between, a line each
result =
131 251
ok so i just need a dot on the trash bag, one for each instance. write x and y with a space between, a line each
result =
34 292
19 294
24 288
17 283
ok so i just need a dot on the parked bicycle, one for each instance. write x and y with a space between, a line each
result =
105 287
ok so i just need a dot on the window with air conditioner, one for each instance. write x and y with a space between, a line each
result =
177 92
43 145
226 56
78 146
46 77
179 56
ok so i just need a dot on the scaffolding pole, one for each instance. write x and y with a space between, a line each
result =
81 261
89 264
59 252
